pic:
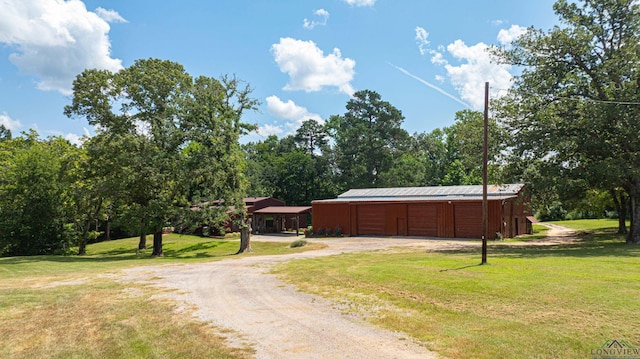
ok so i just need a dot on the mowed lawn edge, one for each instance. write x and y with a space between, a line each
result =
74 306
553 301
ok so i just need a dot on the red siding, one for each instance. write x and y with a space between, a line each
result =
443 219
423 219
467 219
372 219
331 215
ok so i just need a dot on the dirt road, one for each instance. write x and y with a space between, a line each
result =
275 319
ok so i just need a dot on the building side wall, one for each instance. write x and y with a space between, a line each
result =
331 215
445 219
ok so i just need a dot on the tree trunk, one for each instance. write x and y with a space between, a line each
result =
108 230
621 208
142 244
157 244
245 238
634 196
82 246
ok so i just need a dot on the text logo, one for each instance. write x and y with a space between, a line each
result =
615 349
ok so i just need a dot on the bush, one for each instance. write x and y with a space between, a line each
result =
320 232
308 232
298 243
338 232
554 212
329 232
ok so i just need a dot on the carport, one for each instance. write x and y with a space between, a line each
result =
276 219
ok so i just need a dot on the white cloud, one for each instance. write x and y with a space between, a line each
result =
309 69
322 14
438 58
477 68
360 2
505 37
294 114
422 40
74 139
474 65
109 15
56 40
9 123
268 130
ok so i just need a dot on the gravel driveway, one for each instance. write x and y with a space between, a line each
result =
272 317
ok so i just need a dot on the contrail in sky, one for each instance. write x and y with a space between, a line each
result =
430 85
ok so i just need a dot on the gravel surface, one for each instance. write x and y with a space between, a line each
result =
277 321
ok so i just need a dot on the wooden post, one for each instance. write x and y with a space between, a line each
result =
485 159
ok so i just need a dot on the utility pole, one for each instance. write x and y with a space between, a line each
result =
485 159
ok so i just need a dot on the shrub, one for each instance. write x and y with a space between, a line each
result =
554 212
320 232
338 231
308 232
329 232
298 243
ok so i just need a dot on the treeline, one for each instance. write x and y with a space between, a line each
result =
167 152
367 147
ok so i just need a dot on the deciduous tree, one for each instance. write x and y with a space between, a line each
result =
576 103
171 141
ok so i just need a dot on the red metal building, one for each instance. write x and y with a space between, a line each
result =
445 212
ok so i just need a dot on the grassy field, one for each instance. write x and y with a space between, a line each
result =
70 306
557 301
530 301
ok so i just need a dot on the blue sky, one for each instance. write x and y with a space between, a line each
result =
303 58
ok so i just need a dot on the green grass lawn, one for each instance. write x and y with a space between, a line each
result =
598 225
70 306
556 301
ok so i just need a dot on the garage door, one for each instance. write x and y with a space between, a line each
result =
423 220
468 220
371 219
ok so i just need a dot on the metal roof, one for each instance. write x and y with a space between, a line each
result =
439 193
283 210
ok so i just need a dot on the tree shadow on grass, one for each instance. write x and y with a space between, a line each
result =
461 268
198 250
589 245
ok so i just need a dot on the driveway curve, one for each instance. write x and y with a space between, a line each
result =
274 318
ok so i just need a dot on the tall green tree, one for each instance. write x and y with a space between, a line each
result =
575 104
36 209
172 141
214 166
465 146
368 138
431 147
312 137
289 169
5 133
261 173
